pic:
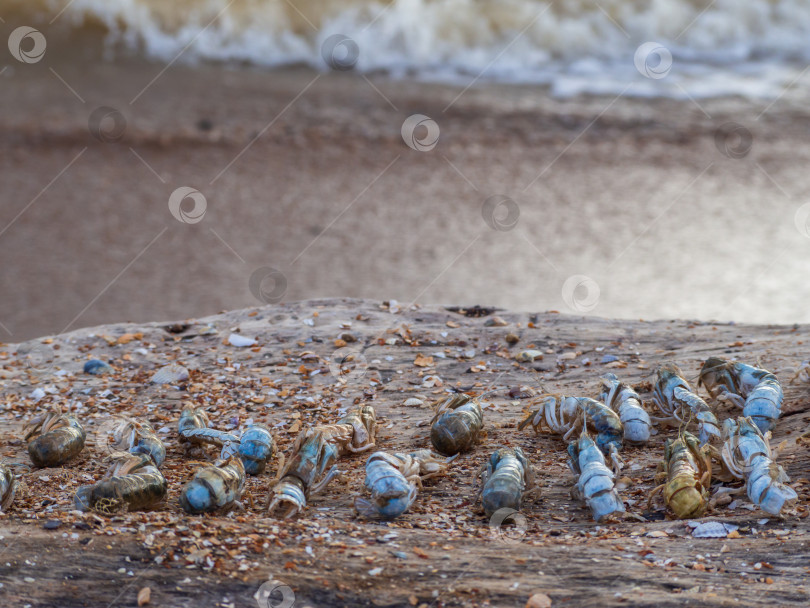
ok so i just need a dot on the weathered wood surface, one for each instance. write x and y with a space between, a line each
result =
442 552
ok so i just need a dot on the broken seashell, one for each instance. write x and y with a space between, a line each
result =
712 529
170 374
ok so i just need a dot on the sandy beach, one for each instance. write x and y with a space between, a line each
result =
298 208
444 551
308 173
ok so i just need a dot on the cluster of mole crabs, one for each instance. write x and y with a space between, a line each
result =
595 431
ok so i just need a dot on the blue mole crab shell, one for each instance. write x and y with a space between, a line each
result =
96 367
256 449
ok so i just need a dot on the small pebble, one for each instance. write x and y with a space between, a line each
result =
52 524
529 355
512 338
539 600
96 367
239 340
609 358
495 322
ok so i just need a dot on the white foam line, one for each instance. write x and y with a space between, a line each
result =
498 56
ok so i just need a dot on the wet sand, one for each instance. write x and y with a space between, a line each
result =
309 174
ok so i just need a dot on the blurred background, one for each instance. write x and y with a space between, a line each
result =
165 160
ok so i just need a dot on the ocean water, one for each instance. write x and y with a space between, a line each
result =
685 48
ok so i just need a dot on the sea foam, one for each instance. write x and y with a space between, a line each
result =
753 48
